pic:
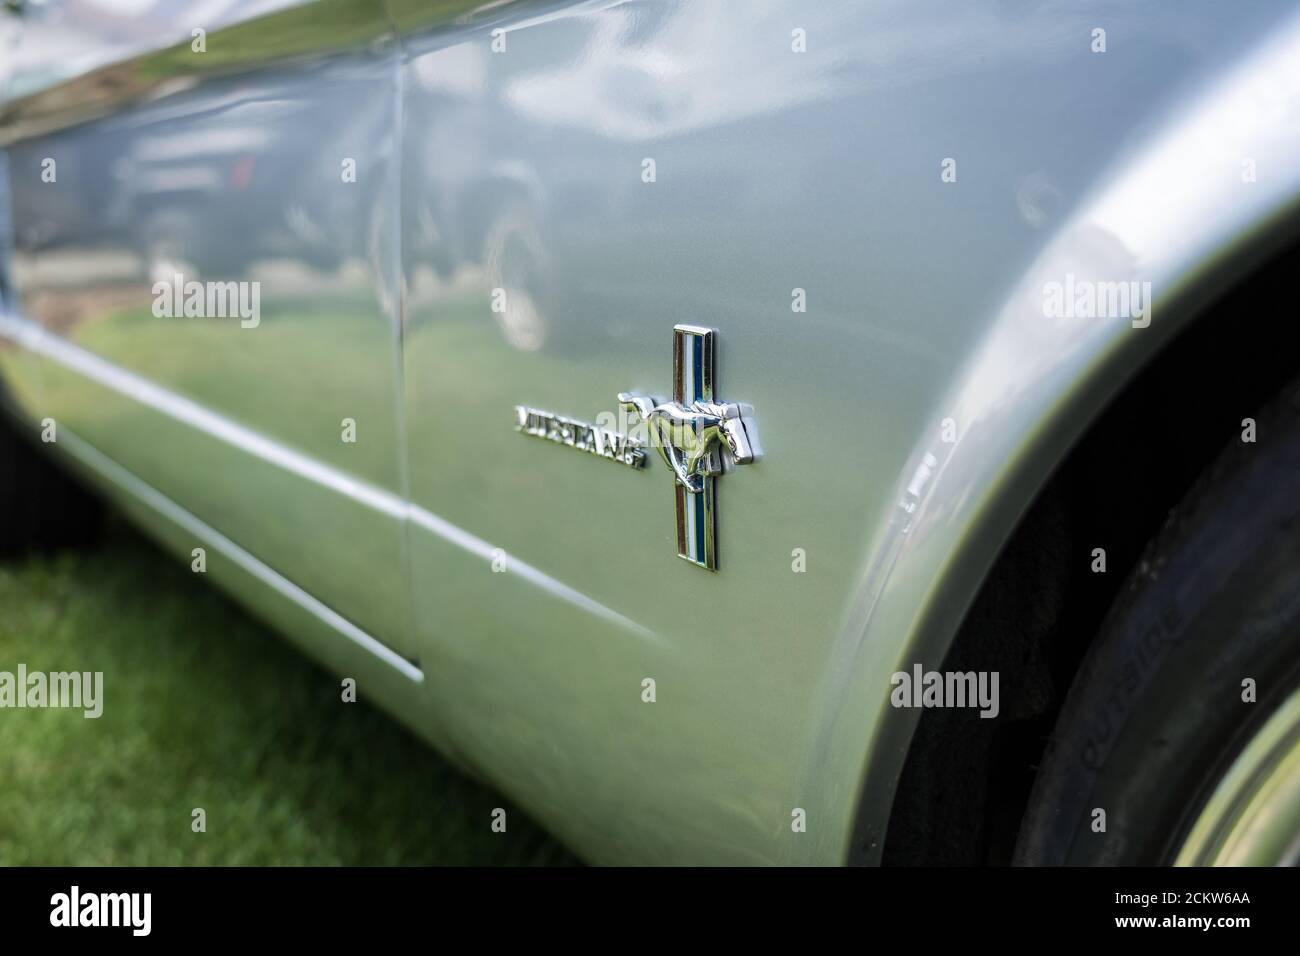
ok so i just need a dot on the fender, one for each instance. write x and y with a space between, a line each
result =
1181 212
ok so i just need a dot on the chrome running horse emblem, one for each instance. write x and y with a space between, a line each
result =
698 439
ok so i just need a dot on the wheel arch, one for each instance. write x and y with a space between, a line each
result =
1177 213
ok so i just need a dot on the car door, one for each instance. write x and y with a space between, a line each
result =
19 379
204 260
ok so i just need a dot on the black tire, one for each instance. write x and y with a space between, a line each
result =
1156 712
42 508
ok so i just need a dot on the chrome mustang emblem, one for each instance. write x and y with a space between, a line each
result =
689 437
697 437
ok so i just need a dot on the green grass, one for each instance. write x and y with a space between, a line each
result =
205 707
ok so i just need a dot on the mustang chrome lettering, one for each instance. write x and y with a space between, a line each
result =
697 438
580 435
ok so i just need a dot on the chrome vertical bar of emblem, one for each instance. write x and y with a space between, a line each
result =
693 370
697 437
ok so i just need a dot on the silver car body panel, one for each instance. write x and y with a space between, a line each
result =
507 599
